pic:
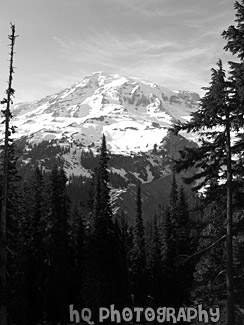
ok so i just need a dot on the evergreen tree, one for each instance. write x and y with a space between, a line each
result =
121 264
58 246
16 288
215 119
77 247
209 273
91 191
173 196
176 247
126 230
34 223
138 256
104 181
173 214
238 245
211 156
100 283
155 266
234 37
5 188
185 267
168 260
169 248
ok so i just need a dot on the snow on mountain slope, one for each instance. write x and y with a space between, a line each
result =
133 114
66 128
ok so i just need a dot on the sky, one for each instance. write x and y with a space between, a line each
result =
173 43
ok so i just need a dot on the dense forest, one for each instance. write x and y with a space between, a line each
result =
57 251
61 254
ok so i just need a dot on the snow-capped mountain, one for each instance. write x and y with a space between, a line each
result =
66 129
133 114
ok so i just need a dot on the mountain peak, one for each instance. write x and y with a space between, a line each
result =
134 114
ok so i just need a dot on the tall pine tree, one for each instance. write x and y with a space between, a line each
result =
139 287
214 121
34 223
155 270
234 37
58 246
5 188
100 282
169 248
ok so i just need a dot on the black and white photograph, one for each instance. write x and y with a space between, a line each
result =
121 162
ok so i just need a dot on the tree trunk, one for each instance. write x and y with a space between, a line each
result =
229 235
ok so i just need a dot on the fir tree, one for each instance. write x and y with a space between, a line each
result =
5 188
173 197
58 246
138 256
209 276
170 246
168 260
139 230
173 212
100 279
35 224
155 266
16 257
215 119
234 37
121 264
77 247
238 245
176 247
104 181
185 267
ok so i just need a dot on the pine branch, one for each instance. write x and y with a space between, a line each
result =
202 250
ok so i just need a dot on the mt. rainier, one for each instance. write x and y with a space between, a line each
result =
65 129
132 113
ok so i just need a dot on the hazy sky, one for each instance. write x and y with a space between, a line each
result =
174 43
